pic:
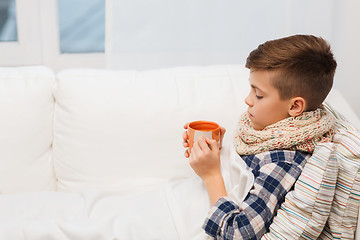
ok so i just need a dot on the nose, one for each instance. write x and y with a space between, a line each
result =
248 101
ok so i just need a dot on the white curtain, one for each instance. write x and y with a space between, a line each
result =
147 34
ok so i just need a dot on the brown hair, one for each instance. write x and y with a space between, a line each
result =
304 66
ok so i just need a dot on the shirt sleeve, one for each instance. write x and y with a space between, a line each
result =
252 218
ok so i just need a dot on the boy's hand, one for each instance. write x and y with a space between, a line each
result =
186 139
205 159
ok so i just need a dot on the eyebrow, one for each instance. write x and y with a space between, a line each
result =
253 86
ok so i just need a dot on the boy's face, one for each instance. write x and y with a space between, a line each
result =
265 105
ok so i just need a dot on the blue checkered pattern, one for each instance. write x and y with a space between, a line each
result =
275 173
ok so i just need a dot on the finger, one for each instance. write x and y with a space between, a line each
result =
192 154
203 145
196 149
222 131
187 154
185 139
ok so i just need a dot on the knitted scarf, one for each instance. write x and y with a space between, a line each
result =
302 133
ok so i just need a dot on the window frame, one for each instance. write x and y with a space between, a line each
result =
41 45
26 50
51 43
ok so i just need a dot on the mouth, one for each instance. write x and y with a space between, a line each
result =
250 115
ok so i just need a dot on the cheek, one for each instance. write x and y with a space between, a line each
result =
264 108
267 112
275 113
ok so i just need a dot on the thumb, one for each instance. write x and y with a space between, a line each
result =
212 143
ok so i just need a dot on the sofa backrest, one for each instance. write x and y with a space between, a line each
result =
117 129
26 129
112 129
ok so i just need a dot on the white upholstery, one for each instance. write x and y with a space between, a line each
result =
123 128
26 129
117 131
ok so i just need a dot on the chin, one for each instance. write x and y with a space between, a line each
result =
254 126
257 128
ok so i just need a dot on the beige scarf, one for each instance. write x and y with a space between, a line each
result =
295 133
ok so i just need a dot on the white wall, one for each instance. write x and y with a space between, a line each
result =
164 33
346 45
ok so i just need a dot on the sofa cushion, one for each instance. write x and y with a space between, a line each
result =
304 213
341 110
26 106
123 128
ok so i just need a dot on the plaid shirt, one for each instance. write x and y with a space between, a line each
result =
275 173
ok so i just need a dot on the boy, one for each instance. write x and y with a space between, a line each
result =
289 79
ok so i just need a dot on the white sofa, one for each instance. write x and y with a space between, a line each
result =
83 148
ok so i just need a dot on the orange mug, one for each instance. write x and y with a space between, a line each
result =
205 129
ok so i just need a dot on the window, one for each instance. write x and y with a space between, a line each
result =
8 29
59 34
20 32
81 26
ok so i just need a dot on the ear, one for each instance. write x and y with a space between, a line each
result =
297 106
